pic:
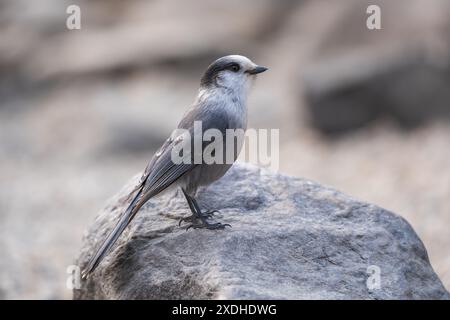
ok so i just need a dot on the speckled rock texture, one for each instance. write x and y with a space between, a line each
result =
290 239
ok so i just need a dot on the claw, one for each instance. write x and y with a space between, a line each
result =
184 219
197 215
206 215
211 213
209 226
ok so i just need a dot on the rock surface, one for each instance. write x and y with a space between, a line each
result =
291 239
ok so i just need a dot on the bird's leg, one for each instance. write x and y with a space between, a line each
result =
207 214
197 214
193 210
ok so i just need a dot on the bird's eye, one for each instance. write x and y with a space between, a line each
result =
235 68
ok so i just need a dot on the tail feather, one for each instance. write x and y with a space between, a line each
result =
104 249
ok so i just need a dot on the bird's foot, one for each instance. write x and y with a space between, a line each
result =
211 213
200 221
206 225
205 215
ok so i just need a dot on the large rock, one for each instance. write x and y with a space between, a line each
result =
290 239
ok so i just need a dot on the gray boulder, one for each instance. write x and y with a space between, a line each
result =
290 239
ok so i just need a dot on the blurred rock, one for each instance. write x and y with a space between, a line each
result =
114 36
291 239
127 139
401 71
344 95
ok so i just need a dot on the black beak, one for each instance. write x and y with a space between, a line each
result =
256 70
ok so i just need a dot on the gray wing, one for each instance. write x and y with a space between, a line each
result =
162 171
149 167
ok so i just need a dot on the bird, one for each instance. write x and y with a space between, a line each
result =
221 104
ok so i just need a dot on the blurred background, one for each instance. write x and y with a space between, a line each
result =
81 111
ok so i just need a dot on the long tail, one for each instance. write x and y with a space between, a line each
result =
126 218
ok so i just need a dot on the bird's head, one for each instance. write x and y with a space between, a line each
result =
233 72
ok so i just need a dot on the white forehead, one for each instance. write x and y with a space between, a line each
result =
243 61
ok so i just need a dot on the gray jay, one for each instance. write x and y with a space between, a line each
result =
220 105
